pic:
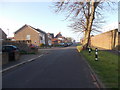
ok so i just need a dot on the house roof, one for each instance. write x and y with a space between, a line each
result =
3 32
58 35
38 30
51 35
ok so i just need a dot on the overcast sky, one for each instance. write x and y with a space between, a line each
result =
41 15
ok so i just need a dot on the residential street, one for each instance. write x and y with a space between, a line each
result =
59 68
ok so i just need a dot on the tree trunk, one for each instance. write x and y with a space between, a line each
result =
89 27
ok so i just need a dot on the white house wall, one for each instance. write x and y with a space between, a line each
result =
43 38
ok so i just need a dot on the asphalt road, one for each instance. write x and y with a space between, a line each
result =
60 68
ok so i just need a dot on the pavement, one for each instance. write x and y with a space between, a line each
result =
56 68
23 59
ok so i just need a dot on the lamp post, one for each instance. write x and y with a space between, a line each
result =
8 32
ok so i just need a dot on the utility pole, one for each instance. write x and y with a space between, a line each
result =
8 32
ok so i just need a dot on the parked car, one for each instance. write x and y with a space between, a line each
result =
65 44
69 44
61 44
12 51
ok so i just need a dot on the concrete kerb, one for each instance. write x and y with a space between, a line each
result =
24 62
100 84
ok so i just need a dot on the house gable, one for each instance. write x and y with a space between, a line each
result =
22 28
30 33
3 35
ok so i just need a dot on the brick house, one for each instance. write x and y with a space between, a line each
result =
50 37
58 39
35 36
3 35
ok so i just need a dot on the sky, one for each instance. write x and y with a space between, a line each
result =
119 14
13 15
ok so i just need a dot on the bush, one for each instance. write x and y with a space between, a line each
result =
42 45
23 52
57 45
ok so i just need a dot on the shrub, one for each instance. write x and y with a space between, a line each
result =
56 45
42 45
23 52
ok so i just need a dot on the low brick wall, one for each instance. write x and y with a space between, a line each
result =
5 58
17 56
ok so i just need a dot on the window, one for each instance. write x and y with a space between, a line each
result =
28 37
8 48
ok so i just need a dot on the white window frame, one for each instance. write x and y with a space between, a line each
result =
27 37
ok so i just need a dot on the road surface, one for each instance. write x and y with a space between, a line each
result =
60 68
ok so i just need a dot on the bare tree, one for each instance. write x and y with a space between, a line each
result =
69 39
85 15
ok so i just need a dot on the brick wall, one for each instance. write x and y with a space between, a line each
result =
107 40
5 58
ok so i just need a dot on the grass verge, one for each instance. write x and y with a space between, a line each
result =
106 67
79 48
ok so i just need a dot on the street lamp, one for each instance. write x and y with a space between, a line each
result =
8 31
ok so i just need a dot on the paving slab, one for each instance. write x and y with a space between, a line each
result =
24 58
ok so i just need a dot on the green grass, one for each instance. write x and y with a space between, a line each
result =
79 48
78 44
106 67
